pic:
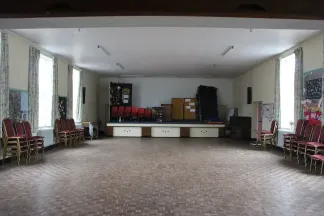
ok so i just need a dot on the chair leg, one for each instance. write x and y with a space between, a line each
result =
18 157
298 154
315 165
311 164
4 153
322 167
65 141
305 156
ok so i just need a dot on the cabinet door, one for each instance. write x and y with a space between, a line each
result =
203 132
184 132
146 131
165 132
127 132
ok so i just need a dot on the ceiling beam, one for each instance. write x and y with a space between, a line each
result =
288 9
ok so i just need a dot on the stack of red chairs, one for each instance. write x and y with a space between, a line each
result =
134 113
114 112
140 113
127 113
130 113
147 114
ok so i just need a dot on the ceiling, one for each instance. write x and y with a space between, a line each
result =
166 51
311 9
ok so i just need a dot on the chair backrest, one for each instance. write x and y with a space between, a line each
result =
275 128
64 124
27 128
134 111
19 129
128 109
299 127
316 133
121 110
7 127
273 124
147 113
58 125
321 137
308 132
114 111
73 124
140 112
69 125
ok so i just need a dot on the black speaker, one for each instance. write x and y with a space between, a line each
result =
249 95
83 94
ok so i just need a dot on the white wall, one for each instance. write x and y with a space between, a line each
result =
241 83
62 77
89 109
150 92
18 63
18 75
262 76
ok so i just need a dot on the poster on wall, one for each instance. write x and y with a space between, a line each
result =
62 107
267 115
121 94
18 105
312 101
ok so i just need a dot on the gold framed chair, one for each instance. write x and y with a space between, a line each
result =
15 145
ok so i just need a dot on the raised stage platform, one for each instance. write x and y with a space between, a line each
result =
172 129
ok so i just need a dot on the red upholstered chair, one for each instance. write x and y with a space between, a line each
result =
314 148
290 137
134 113
140 113
127 112
301 145
272 128
268 137
74 133
80 131
16 145
61 132
36 142
317 157
306 138
148 114
121 110
114 113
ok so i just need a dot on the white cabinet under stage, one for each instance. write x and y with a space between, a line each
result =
203 132
127 132
165 132
163 129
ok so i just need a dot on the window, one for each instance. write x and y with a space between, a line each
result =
76 95
287 80
45 79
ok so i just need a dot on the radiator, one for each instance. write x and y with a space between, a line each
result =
281 132
48 135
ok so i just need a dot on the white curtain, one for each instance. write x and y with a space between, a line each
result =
33 88
277 92
4 79
79 99
298 84
55 104
70 93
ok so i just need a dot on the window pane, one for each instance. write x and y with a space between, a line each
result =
45 91
287 80
76 92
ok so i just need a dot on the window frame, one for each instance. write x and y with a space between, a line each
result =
282 57
47 58
74 114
